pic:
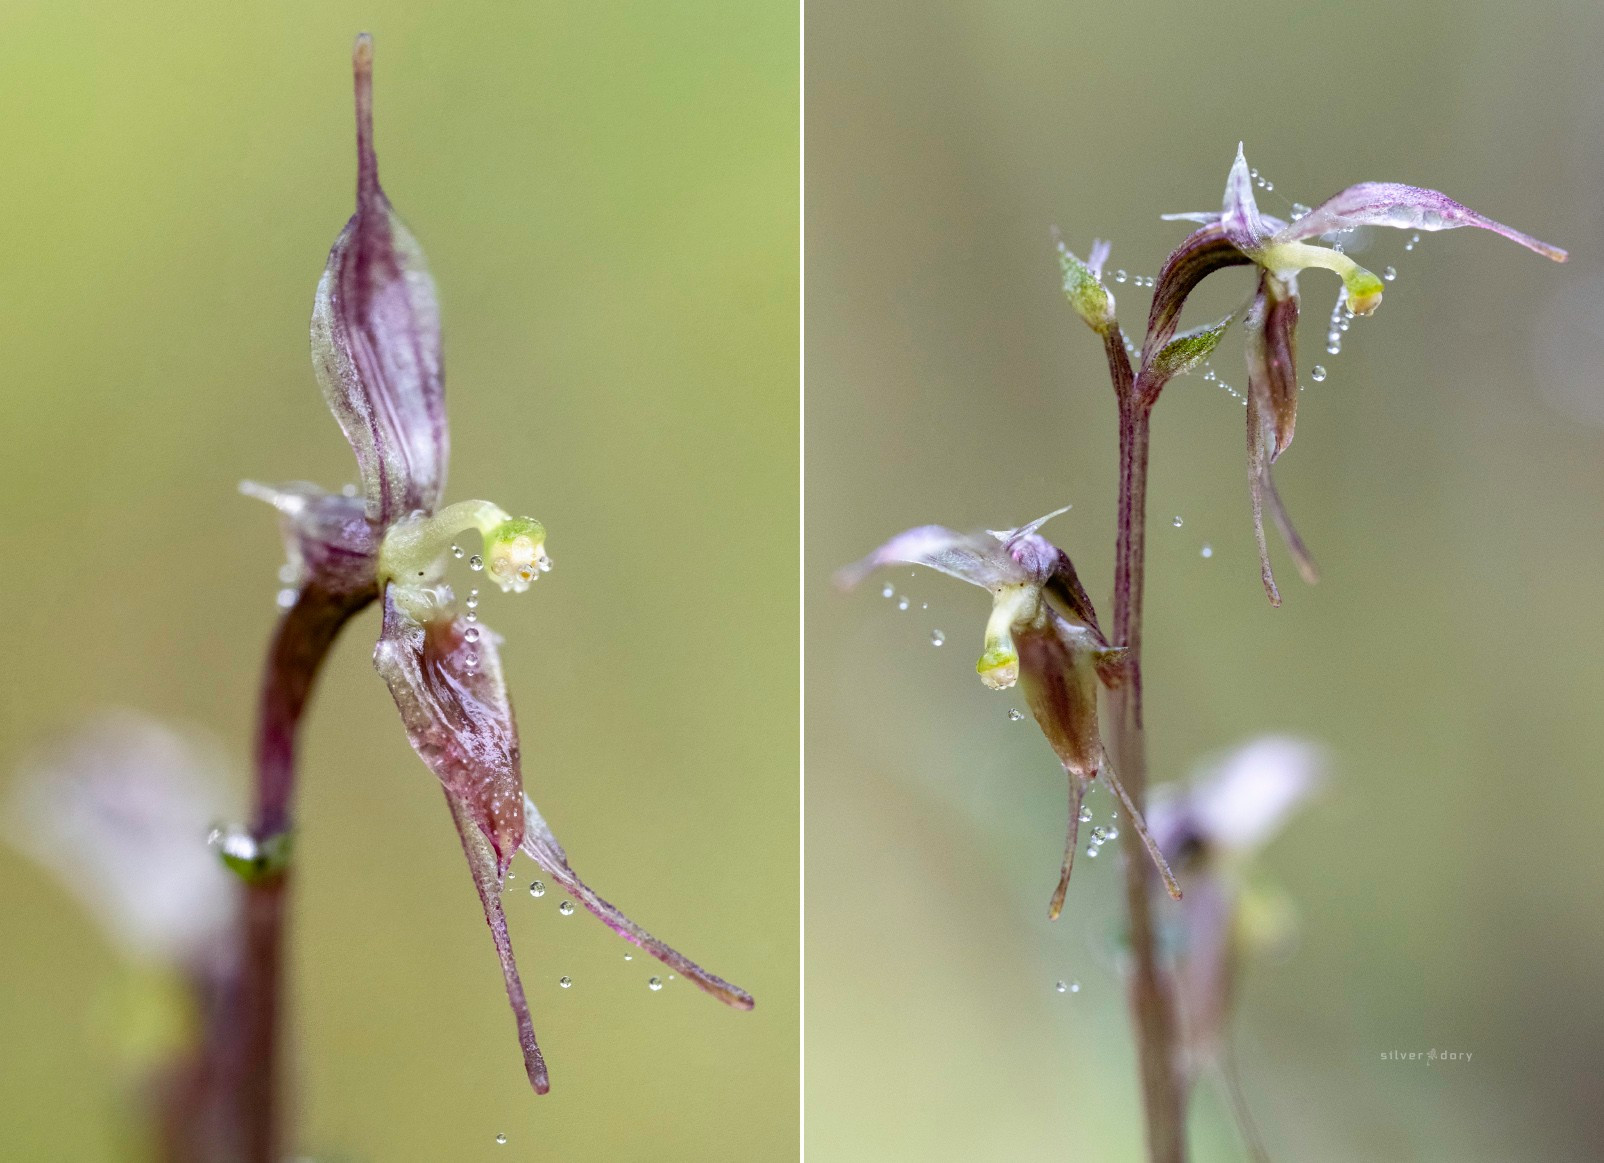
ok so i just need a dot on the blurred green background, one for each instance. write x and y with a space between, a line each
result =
1448 474
609 199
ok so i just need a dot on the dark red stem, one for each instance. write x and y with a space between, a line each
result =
1152 1008
300 643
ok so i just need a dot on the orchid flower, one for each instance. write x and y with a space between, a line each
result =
1281 250
1212 829
376 353
1043 635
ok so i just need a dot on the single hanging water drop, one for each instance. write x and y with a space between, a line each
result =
1061 987
565 982
1085 814
887 590
537 888
1317 373
1119 276
937 637
471 634
1177 522
566 908
1389 274
1207 550
473 599
903 603
456 552
1015 714
476 563
1074 987
501 1140
629 957
655 984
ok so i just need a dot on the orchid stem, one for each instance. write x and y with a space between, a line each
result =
301 642
1152 1007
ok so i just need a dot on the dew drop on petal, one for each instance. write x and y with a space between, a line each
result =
1317 373
629 957
566 908
476 563
937 637
470 660
456 552
347 490
565 982
887 590
537 888
654 984
903 603
1015 714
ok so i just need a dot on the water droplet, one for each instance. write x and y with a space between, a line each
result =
1112 832
456 552
1176 521
1061 987
566 908
1099 834
472 615
887 590
629 957
1207 550
471 634
1074 987
1015 714
1091 852
1333 346
1317 373
903 603
1389 274
537 888
1410 245
473 598
654 984
286 573
476 563
501 1140
565 982
470 660
1085 814
937 637
1119 276
285 599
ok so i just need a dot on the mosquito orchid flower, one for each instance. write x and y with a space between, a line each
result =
1212 830
376 352
1281 250
1042 635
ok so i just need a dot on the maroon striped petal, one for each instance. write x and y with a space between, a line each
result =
545 851
1404 208
979 559
376 340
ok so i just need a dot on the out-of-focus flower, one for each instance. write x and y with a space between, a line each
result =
376 351
1211 830
120 811
1281 250
1042 634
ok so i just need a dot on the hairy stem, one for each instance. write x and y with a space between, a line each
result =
1152 1007
301 642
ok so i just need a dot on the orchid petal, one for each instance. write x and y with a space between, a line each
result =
980 561
1239 217
1272 332
376 340
1405 208
454 706
327 536
1262 490
1242 804
488 877
1199 255
543 848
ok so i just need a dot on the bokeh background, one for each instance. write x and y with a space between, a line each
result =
1448 473
609 200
